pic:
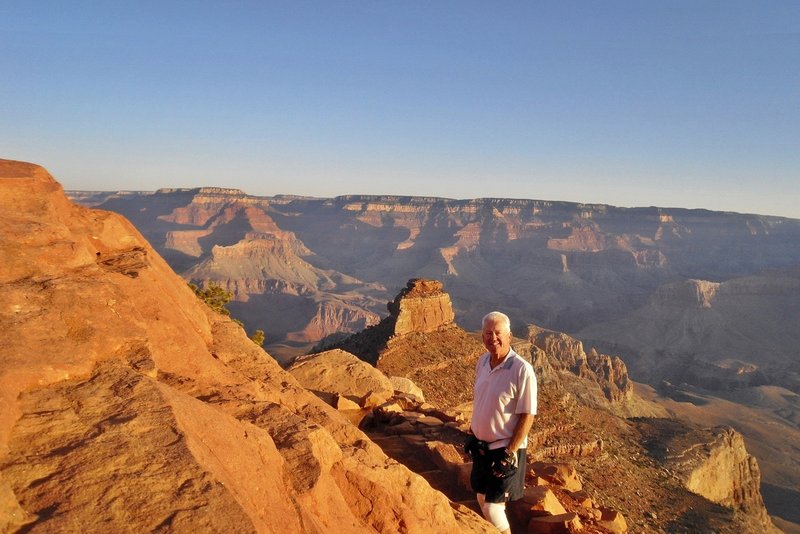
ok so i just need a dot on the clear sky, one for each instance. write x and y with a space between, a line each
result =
633 103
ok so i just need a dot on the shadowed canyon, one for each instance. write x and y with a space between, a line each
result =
129 404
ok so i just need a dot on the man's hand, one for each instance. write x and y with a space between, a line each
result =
471 445
505 466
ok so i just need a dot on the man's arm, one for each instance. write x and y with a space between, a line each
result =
524 425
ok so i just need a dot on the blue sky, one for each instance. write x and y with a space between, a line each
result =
634 103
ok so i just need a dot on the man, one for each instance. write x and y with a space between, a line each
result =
503 411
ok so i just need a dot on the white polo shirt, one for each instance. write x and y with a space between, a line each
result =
501 395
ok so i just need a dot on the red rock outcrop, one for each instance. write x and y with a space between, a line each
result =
422 306
338 372
720 469
714 463
560 352
128 405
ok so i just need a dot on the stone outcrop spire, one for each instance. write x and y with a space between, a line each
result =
422 306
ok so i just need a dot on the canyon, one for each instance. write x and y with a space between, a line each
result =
701 305
336 262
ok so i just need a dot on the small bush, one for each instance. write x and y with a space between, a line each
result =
258 338
214 296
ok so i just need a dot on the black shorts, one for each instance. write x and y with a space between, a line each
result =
498 489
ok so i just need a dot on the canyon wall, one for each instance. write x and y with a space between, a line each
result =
712 462
562 265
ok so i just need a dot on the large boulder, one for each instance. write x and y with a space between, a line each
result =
336 372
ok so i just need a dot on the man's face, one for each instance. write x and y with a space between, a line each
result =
496 338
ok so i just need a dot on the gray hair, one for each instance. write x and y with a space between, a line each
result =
497 317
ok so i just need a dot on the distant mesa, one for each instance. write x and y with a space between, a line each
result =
219 191
699 292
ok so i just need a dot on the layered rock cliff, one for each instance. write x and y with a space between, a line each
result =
563 265
716 335
712 462
422 306
224 237
556 351
126 404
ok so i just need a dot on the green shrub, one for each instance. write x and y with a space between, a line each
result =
258 337
215 296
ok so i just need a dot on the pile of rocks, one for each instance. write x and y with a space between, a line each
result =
428 440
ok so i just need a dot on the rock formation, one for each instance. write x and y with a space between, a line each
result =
126 404
712 462
421 307
338 372
222 236
556 351
420 341
429 440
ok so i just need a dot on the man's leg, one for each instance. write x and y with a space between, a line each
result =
484 482
495 513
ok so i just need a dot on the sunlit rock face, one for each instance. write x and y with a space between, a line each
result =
126 404
421 307
559 351
714 463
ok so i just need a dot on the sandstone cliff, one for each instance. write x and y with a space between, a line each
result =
712 462
556 351
128 405
421 306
